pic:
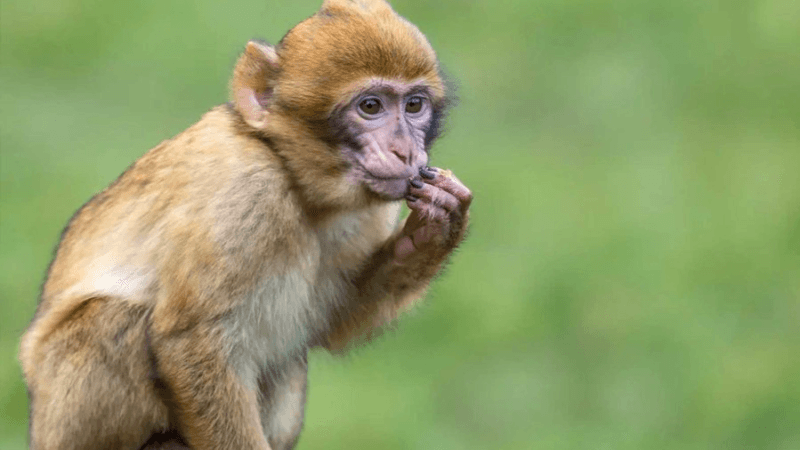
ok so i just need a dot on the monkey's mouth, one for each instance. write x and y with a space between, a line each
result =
388 175
387 184
389 188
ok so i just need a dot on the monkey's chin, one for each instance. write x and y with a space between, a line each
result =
389 188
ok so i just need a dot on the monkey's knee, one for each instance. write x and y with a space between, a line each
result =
283 405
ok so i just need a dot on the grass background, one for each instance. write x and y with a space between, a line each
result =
632 278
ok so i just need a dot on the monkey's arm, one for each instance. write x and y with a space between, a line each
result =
398 273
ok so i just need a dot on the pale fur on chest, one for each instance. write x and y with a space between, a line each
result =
284 311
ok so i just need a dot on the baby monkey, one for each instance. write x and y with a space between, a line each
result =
183 299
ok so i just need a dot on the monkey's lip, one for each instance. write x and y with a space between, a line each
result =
393 188
405 175
390 187
377 178
384 178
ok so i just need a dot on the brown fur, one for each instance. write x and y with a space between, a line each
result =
183 299
318 72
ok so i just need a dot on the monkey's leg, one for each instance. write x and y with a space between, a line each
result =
91 388
282 403
213 407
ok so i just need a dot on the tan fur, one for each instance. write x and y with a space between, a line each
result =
186 295
317 71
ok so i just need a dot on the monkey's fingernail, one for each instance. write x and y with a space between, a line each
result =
427 173
412 198
416 183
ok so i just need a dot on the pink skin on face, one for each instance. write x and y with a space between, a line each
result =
388 121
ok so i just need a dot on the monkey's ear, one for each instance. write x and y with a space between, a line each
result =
253 82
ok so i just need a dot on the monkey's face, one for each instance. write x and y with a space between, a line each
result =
383 132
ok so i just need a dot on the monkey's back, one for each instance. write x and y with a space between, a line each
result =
150 221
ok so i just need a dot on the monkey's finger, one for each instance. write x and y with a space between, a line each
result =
447 181
423 212
414 219
433 194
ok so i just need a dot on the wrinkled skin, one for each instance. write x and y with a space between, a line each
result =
387 122
383 141
439 203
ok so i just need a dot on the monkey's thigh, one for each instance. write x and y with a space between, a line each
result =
282 402
92 387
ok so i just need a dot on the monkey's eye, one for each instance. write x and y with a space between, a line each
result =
370 106
414 105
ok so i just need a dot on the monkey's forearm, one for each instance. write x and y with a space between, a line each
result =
386 285
389 275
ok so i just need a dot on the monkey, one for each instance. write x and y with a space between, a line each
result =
183 299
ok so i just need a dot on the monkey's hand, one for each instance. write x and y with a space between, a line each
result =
399 272
439 205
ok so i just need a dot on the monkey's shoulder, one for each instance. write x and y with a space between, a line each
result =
210 191
208 167
205 156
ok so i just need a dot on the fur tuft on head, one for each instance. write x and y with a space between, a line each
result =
366 5
350 40
287 94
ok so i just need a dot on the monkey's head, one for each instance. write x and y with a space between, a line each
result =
351 98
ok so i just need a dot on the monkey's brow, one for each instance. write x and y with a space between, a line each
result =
419 89
398 88
394 87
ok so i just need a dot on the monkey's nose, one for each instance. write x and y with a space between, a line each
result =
400 151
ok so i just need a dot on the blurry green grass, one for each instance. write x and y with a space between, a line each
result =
632 277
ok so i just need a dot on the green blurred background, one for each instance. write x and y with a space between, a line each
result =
632 277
